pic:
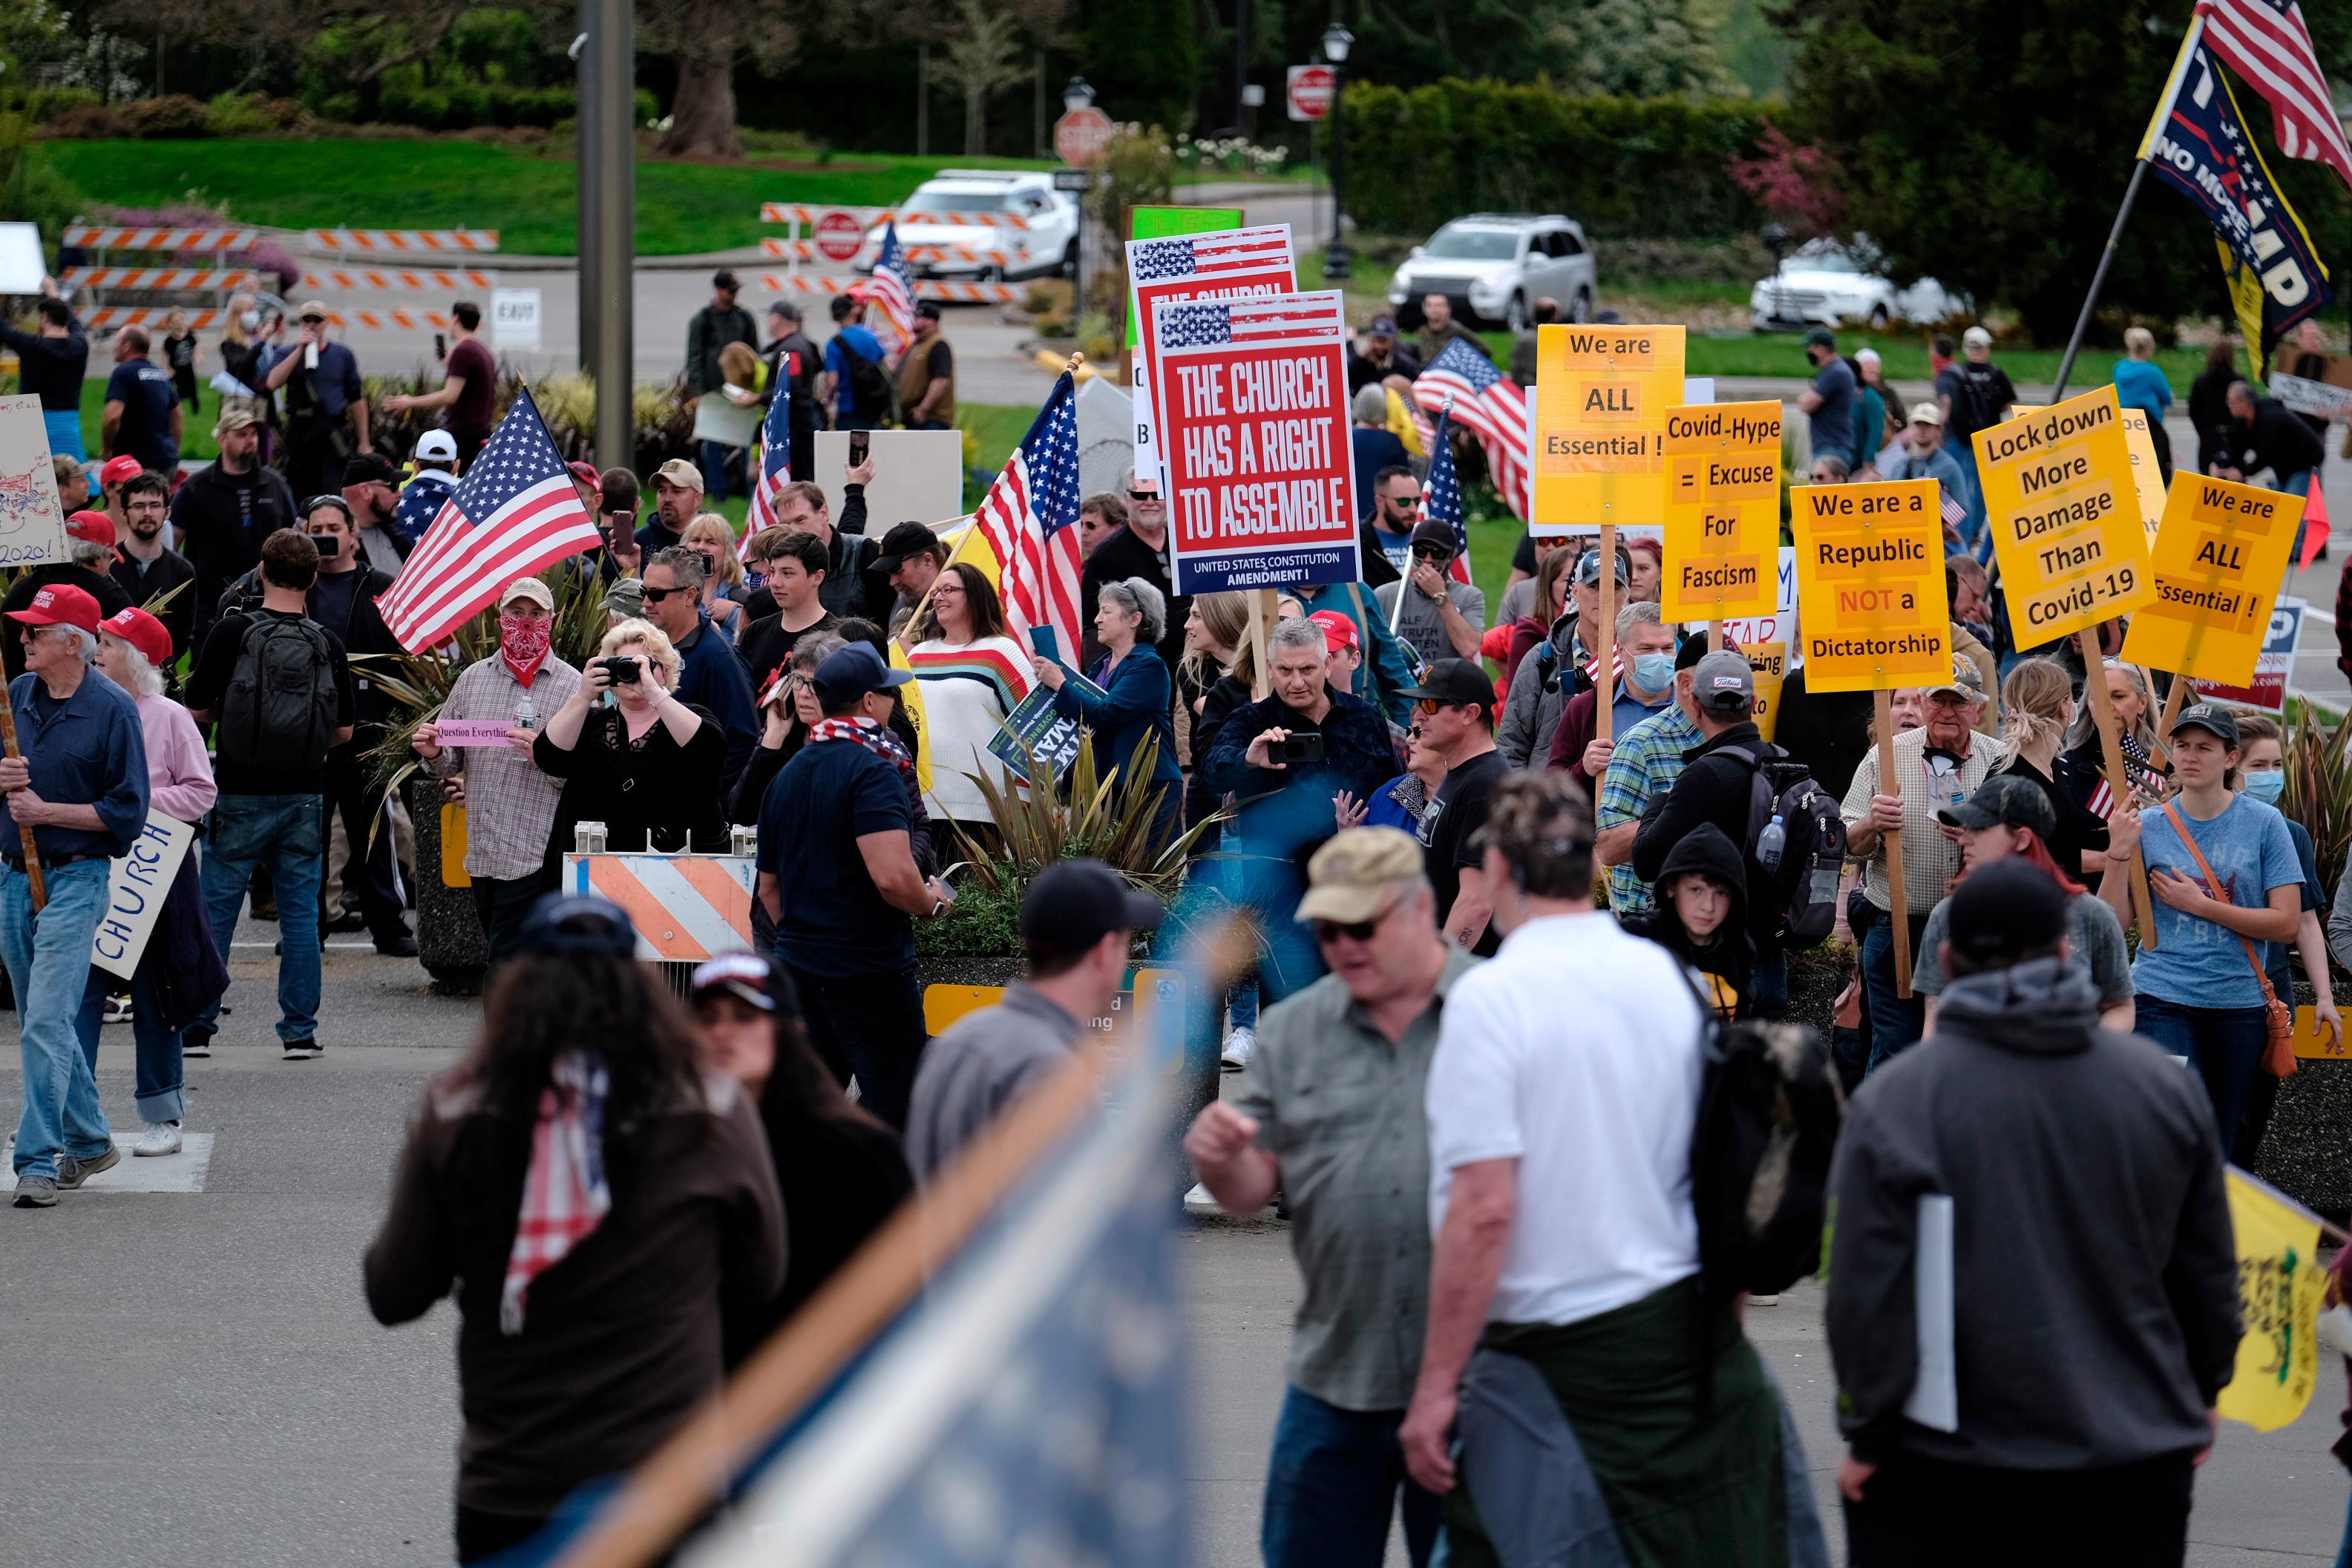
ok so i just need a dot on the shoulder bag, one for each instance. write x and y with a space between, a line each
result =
2278 1053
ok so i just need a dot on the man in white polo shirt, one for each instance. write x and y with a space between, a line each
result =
1569 1348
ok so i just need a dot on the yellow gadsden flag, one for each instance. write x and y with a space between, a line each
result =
2280 1281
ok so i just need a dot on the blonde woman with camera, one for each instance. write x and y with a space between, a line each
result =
643 764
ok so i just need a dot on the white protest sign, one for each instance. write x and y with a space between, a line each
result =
2305 396
514 318
134 893
32 523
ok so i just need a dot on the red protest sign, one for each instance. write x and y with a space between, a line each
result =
1254 393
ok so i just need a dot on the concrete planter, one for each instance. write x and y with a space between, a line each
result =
449 939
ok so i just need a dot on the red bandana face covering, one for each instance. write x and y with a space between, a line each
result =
523 643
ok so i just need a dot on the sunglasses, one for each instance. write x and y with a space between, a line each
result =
1328 931
1429 708
655 595
1143 495
1431 552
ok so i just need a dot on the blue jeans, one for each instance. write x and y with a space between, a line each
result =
1767 986
1331 1485
157 1069
64 426
2225 1048
1241 1003
718 461
48 957
1894 1024
286 834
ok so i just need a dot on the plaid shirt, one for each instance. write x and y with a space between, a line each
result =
1930 860
510 803
1641 768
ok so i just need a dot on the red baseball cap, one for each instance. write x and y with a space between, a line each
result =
586 473
118 469
143 632
96 527
59 605
1339 631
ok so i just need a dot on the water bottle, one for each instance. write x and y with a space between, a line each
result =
1770 844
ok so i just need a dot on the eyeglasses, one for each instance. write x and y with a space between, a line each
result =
655 595
1328 931
1432 552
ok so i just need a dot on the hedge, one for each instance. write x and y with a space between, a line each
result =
1419 156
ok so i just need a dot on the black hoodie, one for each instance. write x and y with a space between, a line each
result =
1709 852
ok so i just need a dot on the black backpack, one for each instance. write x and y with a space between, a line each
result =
1768 1112
281 706
870 387
1794 905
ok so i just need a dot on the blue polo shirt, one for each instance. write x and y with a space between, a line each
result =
835 923
87 750
710 676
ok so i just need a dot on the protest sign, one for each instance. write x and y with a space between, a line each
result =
1033 729
2324 399
1163 222
1767 640
32 523
2272 667
2280 1281
2064 515
1722 512
1261 489
1226 264
135 888
1870 585
472 731
2147 478
1601 397
2218 561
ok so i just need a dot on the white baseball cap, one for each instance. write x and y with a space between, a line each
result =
437 446
1975 338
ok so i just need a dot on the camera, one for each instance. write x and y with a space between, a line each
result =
1303 748
622 668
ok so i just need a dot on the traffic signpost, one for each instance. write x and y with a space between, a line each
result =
839 236
1081 135
1308 91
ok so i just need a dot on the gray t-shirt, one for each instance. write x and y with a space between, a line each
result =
2095 946
984 1062
1422 625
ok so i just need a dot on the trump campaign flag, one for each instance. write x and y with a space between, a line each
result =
1492 407
514 514
1261 477
1029 521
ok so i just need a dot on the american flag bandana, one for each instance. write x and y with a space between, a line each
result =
564 1197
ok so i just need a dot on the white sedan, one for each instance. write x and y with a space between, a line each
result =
1823 284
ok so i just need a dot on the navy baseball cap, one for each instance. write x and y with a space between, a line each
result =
574 923
850 672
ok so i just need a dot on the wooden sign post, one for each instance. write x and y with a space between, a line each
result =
2111 752
1263 613
1604 698
1891 781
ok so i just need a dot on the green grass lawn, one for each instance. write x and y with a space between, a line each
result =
683 208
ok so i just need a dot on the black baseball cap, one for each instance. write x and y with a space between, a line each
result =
2005 799
903 540
1694 648
851 671
1588 568
1077 902
2005 911
725 279
755 978
1452 683
926 309
2210 717
371 468
574 923
1820 337
1433 532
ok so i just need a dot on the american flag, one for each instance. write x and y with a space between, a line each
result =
1030 519
1492 407
514 514
420 503
2265 42
1441 493
1274 322
2137 773
891 295
564 1195
1215 254
772 466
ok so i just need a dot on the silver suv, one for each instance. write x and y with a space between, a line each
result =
1496 266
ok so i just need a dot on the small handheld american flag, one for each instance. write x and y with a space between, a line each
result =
1441 493
514 514
2137 777
891 295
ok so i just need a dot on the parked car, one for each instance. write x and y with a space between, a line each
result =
1494 267
1826 284
967 253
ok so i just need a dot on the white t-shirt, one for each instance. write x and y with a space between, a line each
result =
1576 1051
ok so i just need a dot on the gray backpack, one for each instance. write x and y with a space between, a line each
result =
280 708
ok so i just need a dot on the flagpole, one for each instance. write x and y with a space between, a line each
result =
1404 584
2131 194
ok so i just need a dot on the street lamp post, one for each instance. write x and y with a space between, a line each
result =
1076 94
1337 42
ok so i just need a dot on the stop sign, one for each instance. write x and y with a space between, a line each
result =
1080 136
839 236
1309 91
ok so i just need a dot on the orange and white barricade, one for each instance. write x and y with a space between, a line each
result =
686 907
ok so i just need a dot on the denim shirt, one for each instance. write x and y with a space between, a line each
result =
90 750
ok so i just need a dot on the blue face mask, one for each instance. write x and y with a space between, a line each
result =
1654 673
2267 786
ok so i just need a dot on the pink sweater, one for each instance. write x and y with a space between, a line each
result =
179 774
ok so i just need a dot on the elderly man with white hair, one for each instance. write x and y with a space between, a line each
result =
180 972
79 789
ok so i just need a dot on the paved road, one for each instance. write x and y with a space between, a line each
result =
194 1378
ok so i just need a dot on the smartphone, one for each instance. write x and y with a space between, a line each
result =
327 544
859 443
1303 748
440 346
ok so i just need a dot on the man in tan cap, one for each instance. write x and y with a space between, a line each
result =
1925 457
326 406
510 803
1328 1111
677 496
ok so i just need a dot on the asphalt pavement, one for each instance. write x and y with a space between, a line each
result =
193 1377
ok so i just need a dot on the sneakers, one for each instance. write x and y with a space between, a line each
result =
117 1009
35 1192
348 921
303 1049
396 943
157 1138
1763 1300
1238 1046
195 1041
72 1173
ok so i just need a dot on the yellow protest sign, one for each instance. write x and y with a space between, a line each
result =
2280 1280
2064 515
2218 560
1723 511
1601 397
1870 585
2147 478
1770 663
2314 1042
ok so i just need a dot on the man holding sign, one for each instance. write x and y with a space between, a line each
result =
479 746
